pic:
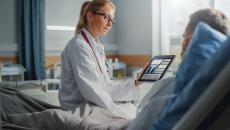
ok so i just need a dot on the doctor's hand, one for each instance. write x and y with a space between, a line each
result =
144 67
137 83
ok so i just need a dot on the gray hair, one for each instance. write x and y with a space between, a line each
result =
214 18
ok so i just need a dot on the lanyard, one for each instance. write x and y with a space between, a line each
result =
87 40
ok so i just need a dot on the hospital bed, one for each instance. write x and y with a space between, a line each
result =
38 89
212 110
197 117
26 105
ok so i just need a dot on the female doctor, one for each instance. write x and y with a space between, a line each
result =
84 73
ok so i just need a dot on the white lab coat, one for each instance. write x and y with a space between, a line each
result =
83 81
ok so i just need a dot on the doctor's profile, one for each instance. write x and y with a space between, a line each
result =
84 72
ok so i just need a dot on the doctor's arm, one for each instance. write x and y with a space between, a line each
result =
126 90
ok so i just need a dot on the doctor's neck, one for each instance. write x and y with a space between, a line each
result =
92 32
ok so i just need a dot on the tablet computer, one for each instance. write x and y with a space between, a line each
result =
156 68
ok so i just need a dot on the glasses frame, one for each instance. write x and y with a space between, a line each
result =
107 17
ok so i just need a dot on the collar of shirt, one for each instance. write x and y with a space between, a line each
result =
96 44
99 49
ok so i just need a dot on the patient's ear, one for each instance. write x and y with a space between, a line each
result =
185 43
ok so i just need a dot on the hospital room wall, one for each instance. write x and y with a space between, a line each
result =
58 13
130 37
134 31
134 26
8 40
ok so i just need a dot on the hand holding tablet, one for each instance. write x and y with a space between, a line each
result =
156 68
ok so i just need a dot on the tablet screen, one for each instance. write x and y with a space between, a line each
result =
156 68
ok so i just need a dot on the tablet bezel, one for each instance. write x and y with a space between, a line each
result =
172 57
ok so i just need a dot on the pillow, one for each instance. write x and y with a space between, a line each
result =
187 95
203 45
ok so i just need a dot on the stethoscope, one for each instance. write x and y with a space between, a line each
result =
87 40
106 61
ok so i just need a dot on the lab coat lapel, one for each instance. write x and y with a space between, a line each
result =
98 49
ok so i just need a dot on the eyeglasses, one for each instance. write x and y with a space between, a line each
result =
107 17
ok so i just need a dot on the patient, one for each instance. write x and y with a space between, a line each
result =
214 18
153 104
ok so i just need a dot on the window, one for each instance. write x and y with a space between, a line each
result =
172 20
179 12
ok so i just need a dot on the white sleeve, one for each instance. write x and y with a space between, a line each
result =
123 90
88 78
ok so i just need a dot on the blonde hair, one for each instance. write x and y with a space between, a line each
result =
87 6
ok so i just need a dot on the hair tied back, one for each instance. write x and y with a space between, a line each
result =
86 5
